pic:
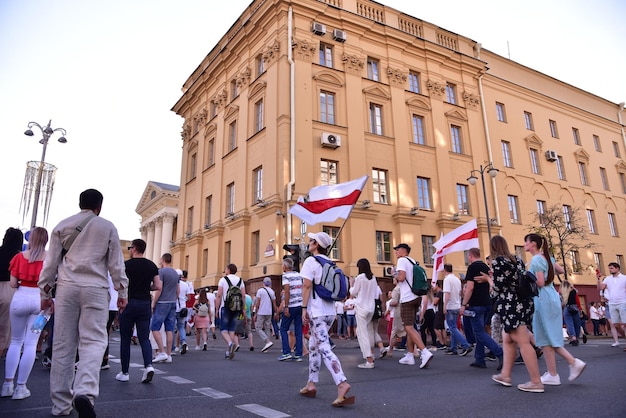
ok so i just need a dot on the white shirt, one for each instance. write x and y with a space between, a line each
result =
365 291
452 285
349 306
316 306
265 295
182 295
293 279
593 313
617 288
406 294
339 307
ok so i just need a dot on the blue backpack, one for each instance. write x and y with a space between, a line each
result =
333 284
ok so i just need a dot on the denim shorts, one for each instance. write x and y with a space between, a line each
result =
228 320
351 320
164 314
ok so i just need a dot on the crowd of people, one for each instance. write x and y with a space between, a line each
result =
88 287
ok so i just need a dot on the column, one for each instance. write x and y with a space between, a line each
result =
150 242
158 232
166 234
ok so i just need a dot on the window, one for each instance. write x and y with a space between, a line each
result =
379 184
567 216
327 107
256 247
189 228
528 120
383 246
232 136
414 82
208 208
462 200
605 179
372 69
506 154
500 112
598 260
575 259
260 65
582 169
591 220
192 166
451 93
541 211
333 232
616 150
211 152
418 129
622 180
613 225
227 249
423 193
230 199
376 119
328 171
596 143
427 248
234 90
212 110
520 252
257 184
553 131
326 55
620 259
514 209
534 161
205 261
455 139
258 116
576 135
559 167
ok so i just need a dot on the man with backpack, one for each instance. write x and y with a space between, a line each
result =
231 294
408 270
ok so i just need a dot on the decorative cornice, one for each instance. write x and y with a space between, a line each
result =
396 77
472 101
304 49
353 63
271 52
582 155
435 87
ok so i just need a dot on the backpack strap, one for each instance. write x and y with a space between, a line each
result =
228 281
79 228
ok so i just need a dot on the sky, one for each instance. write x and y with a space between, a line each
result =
109 72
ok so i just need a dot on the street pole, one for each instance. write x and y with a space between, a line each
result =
493 172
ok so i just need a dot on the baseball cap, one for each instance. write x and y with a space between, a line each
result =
403 245
322 238
180 272
267 281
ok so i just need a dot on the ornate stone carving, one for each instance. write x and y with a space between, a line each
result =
472 101
221 98
396 77
186 132
200 117
353 63
304 49
435 88
243 78
271 52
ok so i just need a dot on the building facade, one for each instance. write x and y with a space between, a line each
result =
158 208
309 92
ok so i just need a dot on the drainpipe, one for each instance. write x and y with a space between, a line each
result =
292 123
621 124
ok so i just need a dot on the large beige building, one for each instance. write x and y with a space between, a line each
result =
302 93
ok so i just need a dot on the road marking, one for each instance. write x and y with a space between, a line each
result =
178 379
262 411
212 393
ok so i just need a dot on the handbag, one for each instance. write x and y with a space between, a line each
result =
378 309
572 309
183 311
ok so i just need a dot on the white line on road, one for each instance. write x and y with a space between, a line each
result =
212 393
178 379
262 411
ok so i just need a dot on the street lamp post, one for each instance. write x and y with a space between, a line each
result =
47 132
493 172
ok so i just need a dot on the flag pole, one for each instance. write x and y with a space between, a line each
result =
341 228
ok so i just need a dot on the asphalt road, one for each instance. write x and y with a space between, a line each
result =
203 383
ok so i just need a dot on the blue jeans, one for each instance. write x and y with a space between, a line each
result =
341 325
572 321
137 313
482 338
295 316
182 331
456 337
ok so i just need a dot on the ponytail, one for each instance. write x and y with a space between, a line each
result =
546 254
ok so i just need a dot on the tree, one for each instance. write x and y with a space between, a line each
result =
565 231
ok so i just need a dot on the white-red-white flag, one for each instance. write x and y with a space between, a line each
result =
460 239
328 203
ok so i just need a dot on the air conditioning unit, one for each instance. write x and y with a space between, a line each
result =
551 155
318 28
388 271
331 140
339 35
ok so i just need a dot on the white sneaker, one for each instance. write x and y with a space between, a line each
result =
168 359
198 348
148 374
548 379
408 359
267 346
122 377
7 389
576 369
160 358
21 392
426 357
366 365
615 345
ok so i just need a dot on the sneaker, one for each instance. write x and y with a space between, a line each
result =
490 356
519 360
366 365
231 351
122 377
427 356
236 348
21 392
383 352
46 362
576 369
183 349
531 387
478 365
7 389
197 348
615 345
466 351
105 365
333 346
267 346
251 348
168 359
148 374
538 351
175 351
214 336
548 379
504 381
451 353
159 358
408 359
204 347
284 357
584 338
297 358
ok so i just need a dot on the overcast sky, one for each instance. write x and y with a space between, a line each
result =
110 71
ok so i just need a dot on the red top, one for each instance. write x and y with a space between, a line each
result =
27 273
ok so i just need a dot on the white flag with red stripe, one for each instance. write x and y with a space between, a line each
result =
460 239
328 203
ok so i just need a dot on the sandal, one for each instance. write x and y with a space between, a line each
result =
343 401
308 393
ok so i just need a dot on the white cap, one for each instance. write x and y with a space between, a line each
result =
322 238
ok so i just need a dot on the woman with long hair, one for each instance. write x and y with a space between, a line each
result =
201 320
365 290
11 245
25 306
548 318
516 315
571 314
